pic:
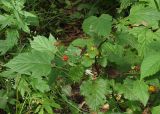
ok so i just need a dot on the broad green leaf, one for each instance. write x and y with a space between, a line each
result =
37 63
139 14
6 20
124 38
23 87
94 92
89 24
144 38
73 54
140 89
113 52
36 82
12 36
126 89
20 22
76 76
98 25
134 90
82 42
30 18
155 110
150 65
86 61
42 44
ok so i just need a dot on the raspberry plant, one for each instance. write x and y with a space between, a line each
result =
114 67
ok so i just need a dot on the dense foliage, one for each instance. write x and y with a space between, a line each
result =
80 56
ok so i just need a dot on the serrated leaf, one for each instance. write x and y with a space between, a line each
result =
113 52
36 82
73 53
126 89
12 36
140 89
98 25
42 44
23 87
35 63
125 39
76 76
134 90
156 110
30 18
6 20
150 65
144 38
94 92
140 14
87 62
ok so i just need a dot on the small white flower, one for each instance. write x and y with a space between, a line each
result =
89 72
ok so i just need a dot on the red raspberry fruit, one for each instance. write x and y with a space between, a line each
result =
65 58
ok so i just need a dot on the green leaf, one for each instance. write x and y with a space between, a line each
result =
11 40
23 87
140 89
48 109
76 76
7 3
20 22
6 20
37 63
42 44
94 92
73 54
113 52
150 65
30 18
36 82
125 39
140 14
144 38
126 89
86 61
134 90
3 99
98 25
125 4
156 110
152 3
